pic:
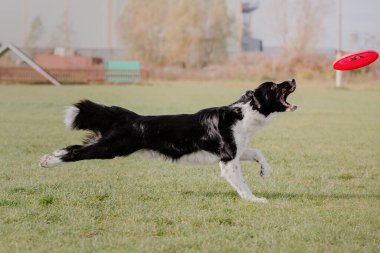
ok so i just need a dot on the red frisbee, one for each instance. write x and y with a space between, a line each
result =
356 60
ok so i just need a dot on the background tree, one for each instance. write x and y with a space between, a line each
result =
64 32
184 32
299 24
35 33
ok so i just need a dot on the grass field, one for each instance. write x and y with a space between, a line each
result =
323 190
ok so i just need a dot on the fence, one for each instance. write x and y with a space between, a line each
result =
29 75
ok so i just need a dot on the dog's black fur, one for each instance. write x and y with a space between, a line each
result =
220 132
123 132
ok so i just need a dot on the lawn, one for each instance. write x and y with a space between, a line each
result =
323 190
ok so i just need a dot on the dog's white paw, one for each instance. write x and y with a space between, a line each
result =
59 152
49 161
252 198
264 170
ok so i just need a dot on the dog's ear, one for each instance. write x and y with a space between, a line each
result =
251 95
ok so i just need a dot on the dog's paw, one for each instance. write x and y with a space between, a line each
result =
59 153
49 161
252 198
264 170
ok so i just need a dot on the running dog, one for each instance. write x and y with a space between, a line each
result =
213 135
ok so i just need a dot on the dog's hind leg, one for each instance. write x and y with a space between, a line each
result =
104 149
232 173
252 154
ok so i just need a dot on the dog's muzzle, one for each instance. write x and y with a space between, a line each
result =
290 88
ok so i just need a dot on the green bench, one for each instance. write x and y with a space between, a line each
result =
123 71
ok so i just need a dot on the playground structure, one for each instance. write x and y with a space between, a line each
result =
57 67
29 61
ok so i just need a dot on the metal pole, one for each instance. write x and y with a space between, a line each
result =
109 24
24 22
339 73
238 25
66 25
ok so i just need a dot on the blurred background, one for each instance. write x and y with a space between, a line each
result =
121 41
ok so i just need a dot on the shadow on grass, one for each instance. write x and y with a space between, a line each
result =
285 195
229 194
317 196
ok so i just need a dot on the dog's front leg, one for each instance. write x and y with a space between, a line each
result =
252 154
232 173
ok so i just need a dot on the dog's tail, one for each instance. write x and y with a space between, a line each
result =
87 115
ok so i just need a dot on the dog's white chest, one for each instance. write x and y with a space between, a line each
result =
252 122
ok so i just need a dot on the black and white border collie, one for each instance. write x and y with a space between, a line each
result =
213 135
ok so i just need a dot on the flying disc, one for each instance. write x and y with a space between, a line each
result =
356 60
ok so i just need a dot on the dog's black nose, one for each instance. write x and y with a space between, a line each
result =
292 82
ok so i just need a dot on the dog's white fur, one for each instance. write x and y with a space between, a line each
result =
199 157
70 114
252 122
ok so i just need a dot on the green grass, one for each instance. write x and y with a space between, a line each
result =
323 190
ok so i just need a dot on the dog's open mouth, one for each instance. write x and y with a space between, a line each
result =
289 107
